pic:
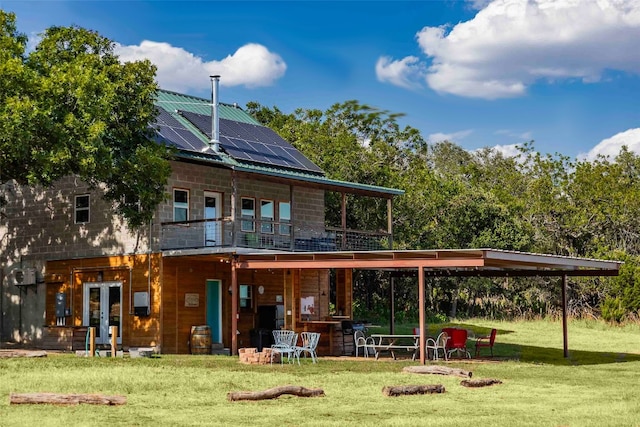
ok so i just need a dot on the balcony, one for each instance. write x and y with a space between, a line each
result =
268 235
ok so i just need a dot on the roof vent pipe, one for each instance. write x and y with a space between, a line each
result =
215 123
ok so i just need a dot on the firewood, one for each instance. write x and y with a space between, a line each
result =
65 399
274 393
22 353
401 390
481 382
438 370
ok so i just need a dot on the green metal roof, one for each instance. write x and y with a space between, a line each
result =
172 101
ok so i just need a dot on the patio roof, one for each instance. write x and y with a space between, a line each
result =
437 262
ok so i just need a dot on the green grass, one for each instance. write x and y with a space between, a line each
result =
599 385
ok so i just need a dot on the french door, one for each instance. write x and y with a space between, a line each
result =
103 308
212 210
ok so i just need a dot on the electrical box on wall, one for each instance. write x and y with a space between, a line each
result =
25 277
141 303
61 304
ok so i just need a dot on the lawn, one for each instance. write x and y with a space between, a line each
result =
597 386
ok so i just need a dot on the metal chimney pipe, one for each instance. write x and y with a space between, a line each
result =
215 122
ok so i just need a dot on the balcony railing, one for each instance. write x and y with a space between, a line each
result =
267 235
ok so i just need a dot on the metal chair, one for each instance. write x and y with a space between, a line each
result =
284 342
309 343
360 340
436 344
458 342
486 341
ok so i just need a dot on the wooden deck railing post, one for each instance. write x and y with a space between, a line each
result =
92 341
114 340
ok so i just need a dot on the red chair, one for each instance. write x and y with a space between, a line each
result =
457 341
486 341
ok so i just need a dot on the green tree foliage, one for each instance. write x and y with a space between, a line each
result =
70 107
483 199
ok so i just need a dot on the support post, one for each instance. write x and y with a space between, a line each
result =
423 330
343 221
565 341
92 341
390 222
234 306
392 322
114 340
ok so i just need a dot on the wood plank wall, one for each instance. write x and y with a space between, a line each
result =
68 277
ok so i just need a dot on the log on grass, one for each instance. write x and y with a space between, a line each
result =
274 393
22 353
403 390
481 382
65 399
438 370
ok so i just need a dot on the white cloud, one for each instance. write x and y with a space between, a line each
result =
611 146
252 65
510 150
517 135
511 44
404 73
451 137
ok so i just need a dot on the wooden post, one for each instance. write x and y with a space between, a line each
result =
392 291
421 315
113 330
564 316
390 222
92 341
234 306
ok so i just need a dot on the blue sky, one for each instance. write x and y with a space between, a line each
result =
563 73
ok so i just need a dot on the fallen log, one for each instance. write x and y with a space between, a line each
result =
22 353
274 393
403 390
481 382
437 370
65 399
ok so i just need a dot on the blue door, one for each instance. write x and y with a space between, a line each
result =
214 309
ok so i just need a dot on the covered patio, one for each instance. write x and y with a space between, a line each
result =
429 263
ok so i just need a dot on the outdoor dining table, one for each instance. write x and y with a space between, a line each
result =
393 343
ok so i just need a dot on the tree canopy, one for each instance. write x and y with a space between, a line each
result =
460 199
70 107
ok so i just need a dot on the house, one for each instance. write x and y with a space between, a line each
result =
236 189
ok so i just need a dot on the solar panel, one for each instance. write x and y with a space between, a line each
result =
172 132
255 143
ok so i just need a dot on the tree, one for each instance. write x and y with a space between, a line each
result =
71 108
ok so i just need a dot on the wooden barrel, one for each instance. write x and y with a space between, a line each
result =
200 339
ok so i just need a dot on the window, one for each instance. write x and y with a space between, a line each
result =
284 212
246 294
82 209
266 216
248 212
180 205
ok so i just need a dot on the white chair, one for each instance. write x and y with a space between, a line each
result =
362 341
436 344
284 342
309 343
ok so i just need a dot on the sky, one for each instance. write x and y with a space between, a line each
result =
564 74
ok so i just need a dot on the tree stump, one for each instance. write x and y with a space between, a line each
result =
403 390
65 399
437 370
274 393
481 382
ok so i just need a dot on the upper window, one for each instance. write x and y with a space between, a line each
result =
180 205
248 213
82 209
284 210
266 216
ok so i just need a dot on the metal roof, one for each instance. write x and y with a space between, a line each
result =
172 102
438 262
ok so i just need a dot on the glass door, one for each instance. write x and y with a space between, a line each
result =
103 308
213 211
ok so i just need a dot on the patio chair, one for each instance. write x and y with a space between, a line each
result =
486 341
362 341
458 342
309 343
437 344
284 342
